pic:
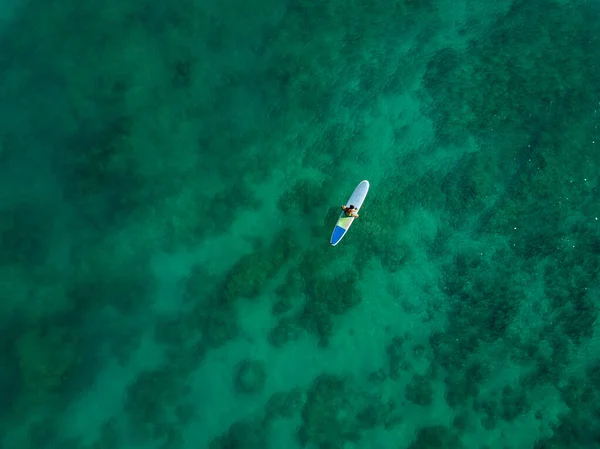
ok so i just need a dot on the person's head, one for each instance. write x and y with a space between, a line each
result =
351 207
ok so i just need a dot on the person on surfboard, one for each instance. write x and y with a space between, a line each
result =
350 211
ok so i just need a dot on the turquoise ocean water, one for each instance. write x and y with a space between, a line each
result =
170 175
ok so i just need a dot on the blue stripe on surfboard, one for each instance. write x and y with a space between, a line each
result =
338 233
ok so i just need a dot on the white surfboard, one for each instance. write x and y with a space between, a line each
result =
343 224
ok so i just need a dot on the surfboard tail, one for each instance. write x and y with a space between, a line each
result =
338 233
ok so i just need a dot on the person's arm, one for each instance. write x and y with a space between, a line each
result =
343 207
